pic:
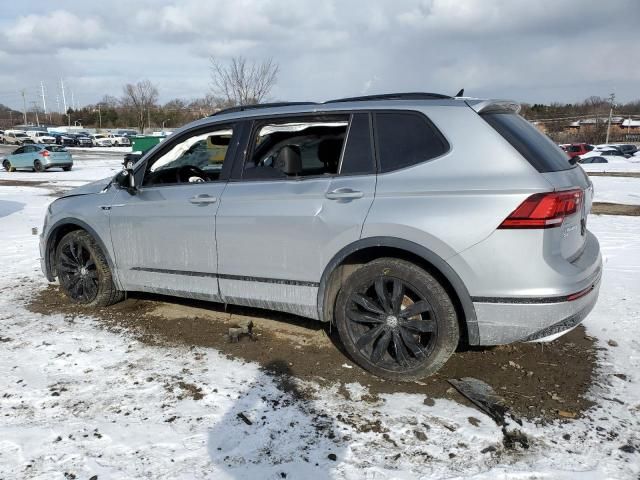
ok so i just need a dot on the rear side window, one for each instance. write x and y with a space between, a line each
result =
537 148
55 148
405 139
358 155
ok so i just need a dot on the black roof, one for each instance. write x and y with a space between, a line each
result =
384 96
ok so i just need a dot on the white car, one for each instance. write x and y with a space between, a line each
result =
41 137
109 140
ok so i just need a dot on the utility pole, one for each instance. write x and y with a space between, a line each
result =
44 101
35 111
64 102
612 99
24 106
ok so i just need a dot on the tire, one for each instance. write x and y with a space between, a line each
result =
37 166
66 169
7 166
83 272
380 337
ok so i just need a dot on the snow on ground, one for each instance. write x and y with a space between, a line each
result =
77 399
86 168
624 190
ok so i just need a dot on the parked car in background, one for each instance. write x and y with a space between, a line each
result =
38 158
82 140
611 148
593 159
627 148
371 213
64 139
109 140
41 137
577 149
14 137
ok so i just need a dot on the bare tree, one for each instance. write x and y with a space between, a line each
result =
140 97
242 82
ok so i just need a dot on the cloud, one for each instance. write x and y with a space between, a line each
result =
52 31
536 51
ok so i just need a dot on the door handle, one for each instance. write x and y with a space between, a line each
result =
203 199
341 193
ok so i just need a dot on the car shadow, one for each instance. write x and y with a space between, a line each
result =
8 207
274 429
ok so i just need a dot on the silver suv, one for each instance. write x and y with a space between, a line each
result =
414 222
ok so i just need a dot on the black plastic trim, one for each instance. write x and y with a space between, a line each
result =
48 252
222 276
440 264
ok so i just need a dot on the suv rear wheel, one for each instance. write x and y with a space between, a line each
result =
396 320
83 271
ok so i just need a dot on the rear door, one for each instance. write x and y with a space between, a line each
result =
301 194
164 235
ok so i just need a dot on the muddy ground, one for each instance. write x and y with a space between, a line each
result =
543 381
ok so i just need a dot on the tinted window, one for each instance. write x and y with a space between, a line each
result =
358 155
537 148
55 148
406 139
297 147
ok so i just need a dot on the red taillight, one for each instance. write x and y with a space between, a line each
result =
44 153
544 210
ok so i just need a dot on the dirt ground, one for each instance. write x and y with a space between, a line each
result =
604 208
543 381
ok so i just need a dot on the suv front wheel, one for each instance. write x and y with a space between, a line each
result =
396 320
83 271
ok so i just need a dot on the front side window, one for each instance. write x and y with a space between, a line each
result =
297 147
196 159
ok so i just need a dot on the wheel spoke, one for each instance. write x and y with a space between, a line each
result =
66 258
89 288
367 304
382 294
90 263
396 296
411 343
361 317
402 355
369 337
381 347
414 309
67 268
423 326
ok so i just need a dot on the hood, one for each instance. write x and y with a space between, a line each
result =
90 188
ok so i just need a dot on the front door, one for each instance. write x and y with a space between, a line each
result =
164 235
303 194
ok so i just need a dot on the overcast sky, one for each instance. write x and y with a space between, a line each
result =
527 50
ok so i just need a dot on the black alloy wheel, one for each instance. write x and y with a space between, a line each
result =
396 320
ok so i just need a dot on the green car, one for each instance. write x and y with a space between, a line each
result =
38 158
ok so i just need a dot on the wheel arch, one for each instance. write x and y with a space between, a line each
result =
367 249
59 230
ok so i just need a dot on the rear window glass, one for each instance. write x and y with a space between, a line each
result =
537 148
406 139
55 148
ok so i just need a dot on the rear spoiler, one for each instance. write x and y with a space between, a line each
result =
486 106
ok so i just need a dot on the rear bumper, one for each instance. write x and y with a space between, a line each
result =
59 164
532 319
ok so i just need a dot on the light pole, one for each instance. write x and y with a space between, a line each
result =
612 99
99 117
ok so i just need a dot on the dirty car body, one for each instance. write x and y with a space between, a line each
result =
405 219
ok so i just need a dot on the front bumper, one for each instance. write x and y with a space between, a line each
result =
532 319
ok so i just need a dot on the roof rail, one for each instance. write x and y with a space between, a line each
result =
242 108
393 96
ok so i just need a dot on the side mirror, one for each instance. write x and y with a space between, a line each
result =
127 178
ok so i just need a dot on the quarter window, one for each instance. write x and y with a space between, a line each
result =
405 139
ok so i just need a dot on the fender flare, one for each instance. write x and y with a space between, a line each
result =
429 256
48 251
